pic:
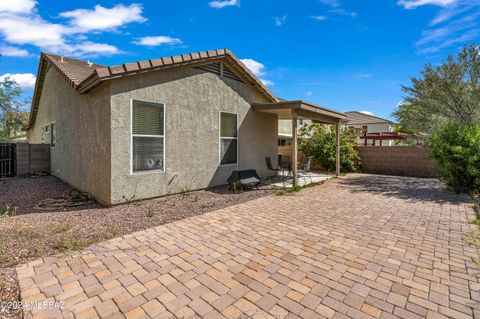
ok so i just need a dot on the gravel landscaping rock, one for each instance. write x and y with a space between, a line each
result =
27 233
9 292
32 233
20 196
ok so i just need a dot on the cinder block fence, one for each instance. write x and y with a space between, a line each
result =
32 158
397 160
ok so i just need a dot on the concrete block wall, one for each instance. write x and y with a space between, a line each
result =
32 158
397 160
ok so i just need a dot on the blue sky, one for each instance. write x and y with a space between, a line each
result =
343 54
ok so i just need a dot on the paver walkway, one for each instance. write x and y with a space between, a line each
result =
362 246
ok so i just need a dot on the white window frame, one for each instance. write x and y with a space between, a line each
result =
231 138
155 171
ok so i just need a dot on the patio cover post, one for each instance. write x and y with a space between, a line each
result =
294 147
337 150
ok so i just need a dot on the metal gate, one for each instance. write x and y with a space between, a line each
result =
7 160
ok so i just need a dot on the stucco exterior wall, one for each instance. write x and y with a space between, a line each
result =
81 156
193 101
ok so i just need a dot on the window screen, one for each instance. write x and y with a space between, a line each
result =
228 138
148 124
52 135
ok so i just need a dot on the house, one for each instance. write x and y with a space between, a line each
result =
285 136
150 128
366 123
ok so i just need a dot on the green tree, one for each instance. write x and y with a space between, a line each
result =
10 106
449 92
456 150
319 142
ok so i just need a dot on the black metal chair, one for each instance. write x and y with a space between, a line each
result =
270 166
305 168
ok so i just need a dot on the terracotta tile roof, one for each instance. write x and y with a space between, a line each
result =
84 76
359 118
75 70
126 69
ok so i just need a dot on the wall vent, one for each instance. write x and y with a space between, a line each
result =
216 68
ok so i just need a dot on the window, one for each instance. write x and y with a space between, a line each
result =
52 135
148 136
282 142
228 138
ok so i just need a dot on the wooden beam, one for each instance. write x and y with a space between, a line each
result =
294 147
337 150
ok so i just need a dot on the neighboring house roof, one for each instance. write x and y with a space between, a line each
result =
84 76
359 118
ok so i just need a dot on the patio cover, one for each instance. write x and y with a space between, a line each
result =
295 110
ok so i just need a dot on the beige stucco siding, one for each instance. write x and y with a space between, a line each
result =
81 156
193 100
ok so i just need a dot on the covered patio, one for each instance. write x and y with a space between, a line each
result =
301 110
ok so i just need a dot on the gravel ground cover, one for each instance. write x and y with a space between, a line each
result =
27 233
9 292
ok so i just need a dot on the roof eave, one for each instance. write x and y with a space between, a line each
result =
109 73
302 108
37 91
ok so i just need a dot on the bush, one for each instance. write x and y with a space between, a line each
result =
319 142
456 150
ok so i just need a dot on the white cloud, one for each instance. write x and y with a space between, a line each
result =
332 3
366 112
13 51
279 21
319 18
309 93
224 3
258 69
267 82
19 29
363 76
343 12
92 49
27 27
17 6
336 8
455 25
157 40
101 18
24 80
412 4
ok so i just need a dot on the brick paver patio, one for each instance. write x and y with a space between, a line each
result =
361 247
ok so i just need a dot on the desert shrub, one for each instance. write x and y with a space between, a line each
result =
456 150
319 142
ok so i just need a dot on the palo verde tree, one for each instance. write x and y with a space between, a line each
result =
447 93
